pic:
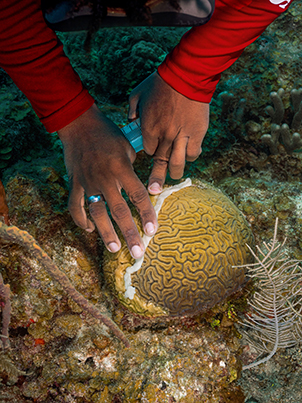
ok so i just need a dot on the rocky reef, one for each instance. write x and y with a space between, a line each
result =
60 353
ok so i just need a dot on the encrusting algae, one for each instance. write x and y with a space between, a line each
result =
23 238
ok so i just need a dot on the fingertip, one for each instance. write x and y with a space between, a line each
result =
137 252
132 116
113 247
150 229
132 110
90 226
155 188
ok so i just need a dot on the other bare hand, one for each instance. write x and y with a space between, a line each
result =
173 127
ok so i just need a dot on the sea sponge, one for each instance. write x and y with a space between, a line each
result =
188 266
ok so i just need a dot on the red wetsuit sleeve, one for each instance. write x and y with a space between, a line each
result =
194 67
32 55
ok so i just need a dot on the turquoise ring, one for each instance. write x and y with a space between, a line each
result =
94 199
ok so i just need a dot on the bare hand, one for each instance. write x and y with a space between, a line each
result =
99 161
173 127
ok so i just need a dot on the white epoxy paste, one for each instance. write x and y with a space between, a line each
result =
130 291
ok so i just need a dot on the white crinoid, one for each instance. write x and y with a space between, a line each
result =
274 317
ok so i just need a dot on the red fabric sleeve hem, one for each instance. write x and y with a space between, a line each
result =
195 65
69 112
184 87
34 58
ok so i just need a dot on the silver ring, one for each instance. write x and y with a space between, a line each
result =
94 199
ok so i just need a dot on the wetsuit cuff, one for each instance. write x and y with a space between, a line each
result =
184 85
68 113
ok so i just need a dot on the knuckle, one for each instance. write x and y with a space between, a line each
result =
119 211
96 209
192 158
130 234
160 162
139 196
176 162
170 136
117 166
147 216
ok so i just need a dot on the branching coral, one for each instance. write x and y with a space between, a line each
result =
276 112
297 105
291 142
23 238
274 319
227 102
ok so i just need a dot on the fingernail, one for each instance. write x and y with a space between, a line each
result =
136 252
155 187
149 228
89 229
113 247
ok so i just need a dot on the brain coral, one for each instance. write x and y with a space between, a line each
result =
188 265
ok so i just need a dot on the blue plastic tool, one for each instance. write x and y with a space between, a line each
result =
133 133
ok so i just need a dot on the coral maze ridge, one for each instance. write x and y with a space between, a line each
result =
184 275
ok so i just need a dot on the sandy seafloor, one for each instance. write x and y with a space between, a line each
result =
67 355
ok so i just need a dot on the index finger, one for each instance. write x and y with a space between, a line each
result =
161 159
150 133
139 196
121 214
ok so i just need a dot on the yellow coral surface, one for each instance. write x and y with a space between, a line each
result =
188 264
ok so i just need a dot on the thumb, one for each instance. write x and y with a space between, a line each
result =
133 108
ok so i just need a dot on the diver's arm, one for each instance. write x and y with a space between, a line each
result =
97 155
174 117
32 55
195 65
